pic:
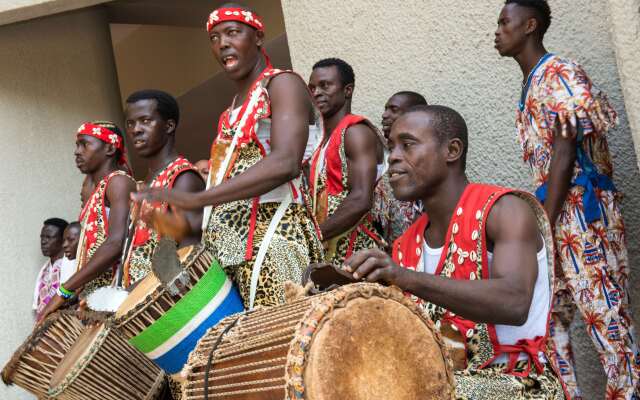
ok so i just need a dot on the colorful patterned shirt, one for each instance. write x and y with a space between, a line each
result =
560 88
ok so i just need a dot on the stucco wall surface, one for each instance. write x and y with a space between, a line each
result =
446 53
55 73
625 28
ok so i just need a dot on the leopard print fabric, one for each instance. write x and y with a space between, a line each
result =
293 247
492 383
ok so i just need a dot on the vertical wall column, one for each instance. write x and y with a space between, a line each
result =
625 31
56 72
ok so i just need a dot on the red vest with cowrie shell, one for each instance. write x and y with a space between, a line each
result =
464 257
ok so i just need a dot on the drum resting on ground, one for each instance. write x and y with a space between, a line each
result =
33 364
361 341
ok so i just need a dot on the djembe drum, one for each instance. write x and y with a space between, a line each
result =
101 365
33 364
165 326
361 341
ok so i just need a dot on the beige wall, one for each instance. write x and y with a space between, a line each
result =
446 53
55 73
625 29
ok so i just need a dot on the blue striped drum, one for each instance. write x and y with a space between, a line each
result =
166 327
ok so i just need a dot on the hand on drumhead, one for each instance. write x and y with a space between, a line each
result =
172 224
184 200
373 265
51 307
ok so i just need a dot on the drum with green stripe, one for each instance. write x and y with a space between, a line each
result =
167 327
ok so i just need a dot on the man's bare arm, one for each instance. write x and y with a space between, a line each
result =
505 298
361 144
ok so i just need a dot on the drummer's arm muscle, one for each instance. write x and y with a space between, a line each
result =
190 181
505 298
111 249
290 105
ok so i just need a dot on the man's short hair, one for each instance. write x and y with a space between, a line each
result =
541 9
59 223
74 225
166 104
347 75
448 124
415 99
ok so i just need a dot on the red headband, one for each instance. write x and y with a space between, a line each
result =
107 136
234 14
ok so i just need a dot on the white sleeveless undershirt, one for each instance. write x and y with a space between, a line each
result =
263 132
536 324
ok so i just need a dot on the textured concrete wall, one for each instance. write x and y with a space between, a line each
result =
446 52
625 29
55 73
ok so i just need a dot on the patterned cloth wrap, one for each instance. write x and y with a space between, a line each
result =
465 258
145 238
235 231
329 187
94 220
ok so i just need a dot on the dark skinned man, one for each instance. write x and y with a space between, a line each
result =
49 277
346 166
151 120
257 224
100 154
492 287
392 215
70 241
572 172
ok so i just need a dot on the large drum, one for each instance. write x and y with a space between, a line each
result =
101 365
361 341
166 327
33 364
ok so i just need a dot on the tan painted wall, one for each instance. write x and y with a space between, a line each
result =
21 10
446 52
625 29
56 73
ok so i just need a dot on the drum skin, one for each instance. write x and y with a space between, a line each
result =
361 341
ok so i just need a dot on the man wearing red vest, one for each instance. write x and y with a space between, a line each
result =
345 167
479 261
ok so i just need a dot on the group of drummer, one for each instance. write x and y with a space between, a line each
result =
295 179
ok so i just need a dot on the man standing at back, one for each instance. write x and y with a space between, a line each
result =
345 167
49 277
392 215
562 121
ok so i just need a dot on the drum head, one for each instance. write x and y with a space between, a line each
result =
375 348
139 294
83 345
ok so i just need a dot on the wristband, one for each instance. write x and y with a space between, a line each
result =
65 293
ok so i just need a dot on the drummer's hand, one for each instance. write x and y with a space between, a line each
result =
51 307
184 200
373 265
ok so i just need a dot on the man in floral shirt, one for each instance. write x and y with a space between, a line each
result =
562 121
49 276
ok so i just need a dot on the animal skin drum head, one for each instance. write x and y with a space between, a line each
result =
367 350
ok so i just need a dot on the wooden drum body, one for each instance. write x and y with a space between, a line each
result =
101 365
167 327
361 341
33 364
